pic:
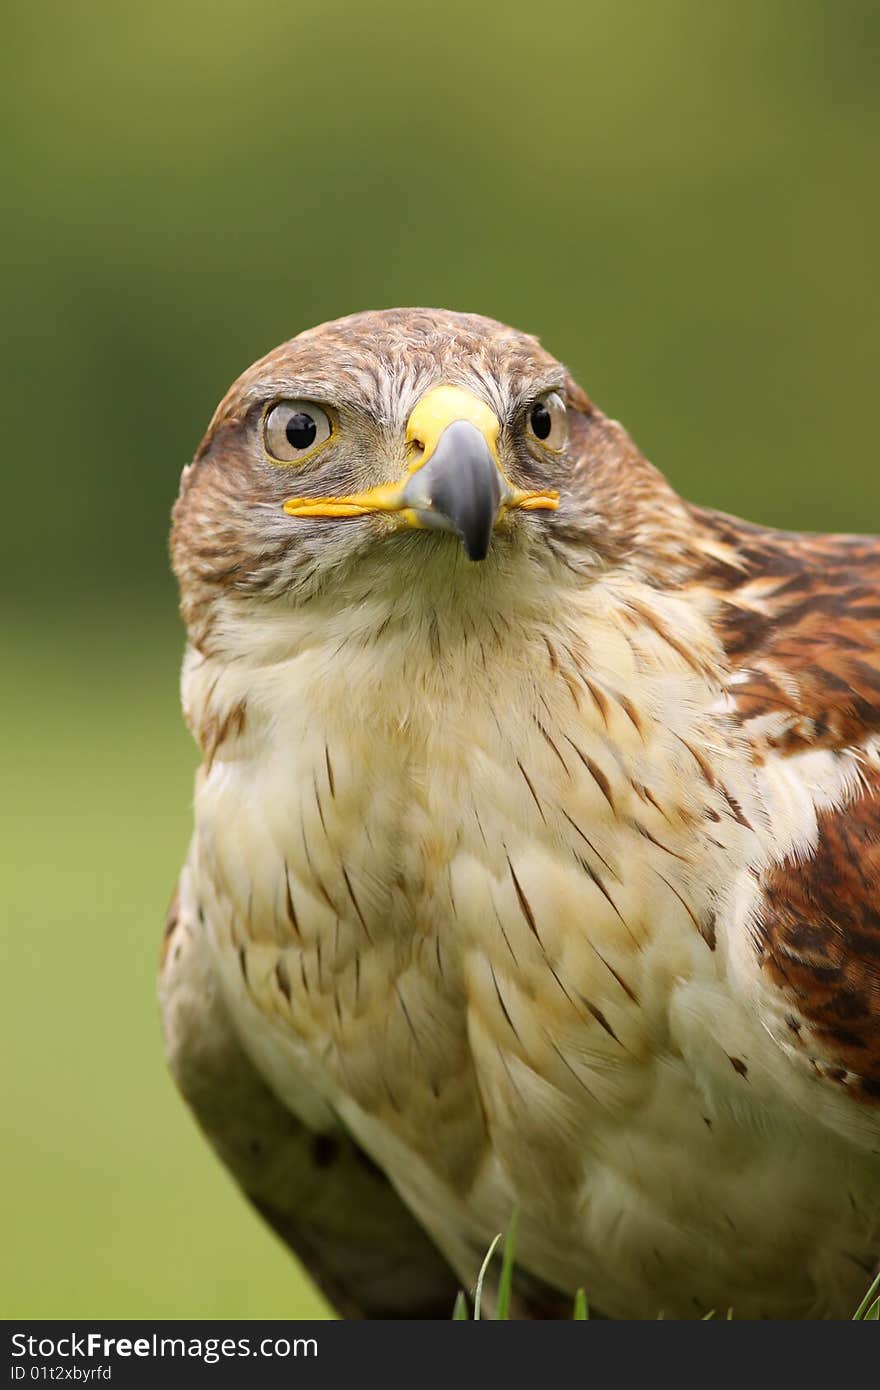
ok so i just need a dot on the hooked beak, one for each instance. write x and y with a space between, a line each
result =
459 488
455 481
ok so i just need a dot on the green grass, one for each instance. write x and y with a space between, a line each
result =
503 1297
869 1308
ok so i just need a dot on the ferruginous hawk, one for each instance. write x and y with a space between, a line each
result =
536 861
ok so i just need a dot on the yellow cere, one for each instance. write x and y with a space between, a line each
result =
443 406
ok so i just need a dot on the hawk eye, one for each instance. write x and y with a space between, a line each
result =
292 429
548 422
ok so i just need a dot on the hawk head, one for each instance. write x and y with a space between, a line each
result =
401 446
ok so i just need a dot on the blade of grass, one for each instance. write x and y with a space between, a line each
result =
460 1311
861 1312
478 1291
581 1307
505 1282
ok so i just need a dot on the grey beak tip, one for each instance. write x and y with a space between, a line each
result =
476 547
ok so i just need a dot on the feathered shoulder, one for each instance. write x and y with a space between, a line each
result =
799 617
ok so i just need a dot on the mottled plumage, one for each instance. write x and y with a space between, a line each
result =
549 881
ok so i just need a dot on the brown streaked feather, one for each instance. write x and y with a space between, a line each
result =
820 943
799 617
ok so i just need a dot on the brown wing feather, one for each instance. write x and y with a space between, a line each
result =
799 616
820 944
321 1194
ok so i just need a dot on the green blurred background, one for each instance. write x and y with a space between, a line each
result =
681 198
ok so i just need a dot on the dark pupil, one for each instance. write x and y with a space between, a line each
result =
301 430
541 421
